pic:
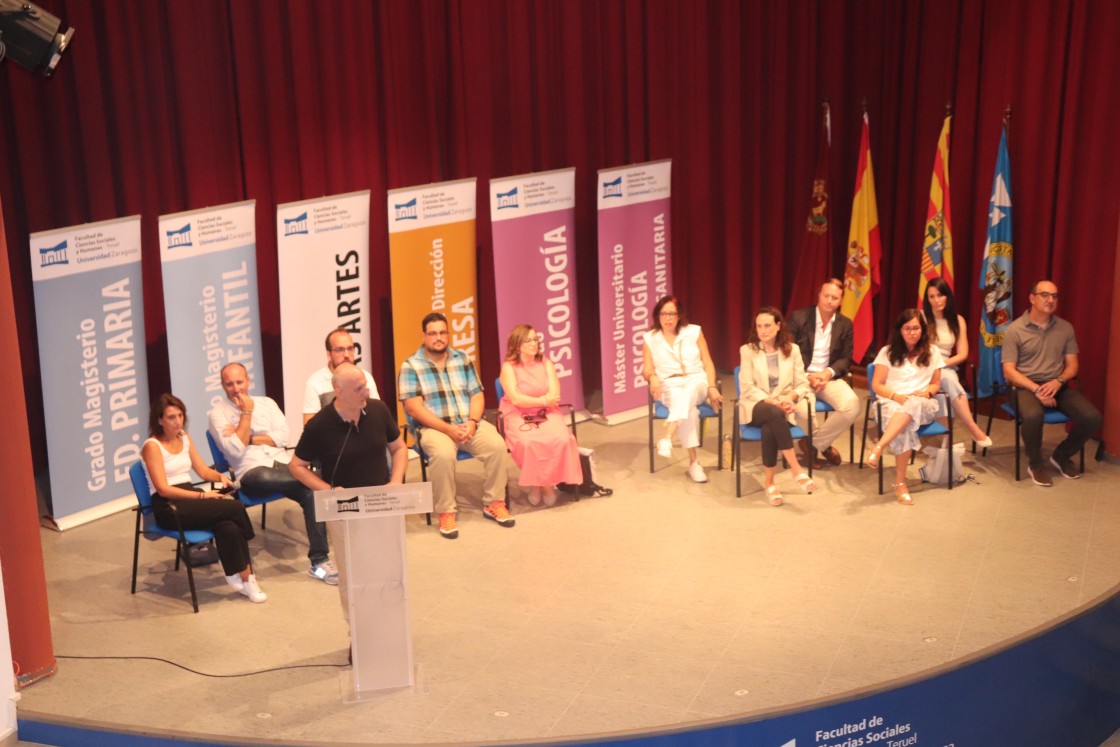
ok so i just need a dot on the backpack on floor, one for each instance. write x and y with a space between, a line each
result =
588 486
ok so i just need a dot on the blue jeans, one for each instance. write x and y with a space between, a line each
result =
1086 422
261 482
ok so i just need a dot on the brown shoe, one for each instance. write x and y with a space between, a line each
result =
809 454
1041 476
832 456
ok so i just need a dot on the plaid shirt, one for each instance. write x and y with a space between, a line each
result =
446 392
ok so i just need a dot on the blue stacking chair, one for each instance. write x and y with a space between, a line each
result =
221 464
741 433
146 524
929 429
658 411
1050 416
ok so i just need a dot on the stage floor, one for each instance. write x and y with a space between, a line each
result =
669 602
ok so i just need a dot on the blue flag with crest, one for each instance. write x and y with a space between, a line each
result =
995 276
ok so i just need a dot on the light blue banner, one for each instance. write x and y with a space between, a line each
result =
89 312
210 298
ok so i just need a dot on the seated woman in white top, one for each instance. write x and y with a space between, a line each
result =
907 377
681 375
950 335
773 386
169 455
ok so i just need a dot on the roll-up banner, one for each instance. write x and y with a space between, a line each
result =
209 260
533 219
432 256
323 256
635 270
89 309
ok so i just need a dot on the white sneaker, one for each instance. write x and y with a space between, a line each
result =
325 572
251 590
665 448
235 581
696 472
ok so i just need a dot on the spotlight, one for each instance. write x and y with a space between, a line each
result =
29 35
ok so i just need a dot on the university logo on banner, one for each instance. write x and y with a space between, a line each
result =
89 311
209 262
323 262
635 270
533 221
432 255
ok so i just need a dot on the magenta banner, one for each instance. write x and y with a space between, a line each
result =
533 221
634 271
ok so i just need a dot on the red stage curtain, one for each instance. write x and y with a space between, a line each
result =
161 107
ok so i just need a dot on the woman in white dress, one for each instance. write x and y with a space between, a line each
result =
950 335
907 377
681 375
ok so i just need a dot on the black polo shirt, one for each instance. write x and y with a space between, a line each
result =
349 455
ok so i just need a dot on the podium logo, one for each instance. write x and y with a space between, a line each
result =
348 505
179 238
614 189
55 255
407 211
296 225
507 199
790 743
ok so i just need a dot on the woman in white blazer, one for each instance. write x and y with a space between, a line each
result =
772 386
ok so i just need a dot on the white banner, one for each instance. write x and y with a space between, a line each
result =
89 309
322 249
209 260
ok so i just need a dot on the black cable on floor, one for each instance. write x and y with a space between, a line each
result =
203 674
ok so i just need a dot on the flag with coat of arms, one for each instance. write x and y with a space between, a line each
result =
995 277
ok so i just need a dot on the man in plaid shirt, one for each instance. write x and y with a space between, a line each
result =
443 399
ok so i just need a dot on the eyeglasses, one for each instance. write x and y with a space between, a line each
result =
441 333
1046 296
347 349
669 313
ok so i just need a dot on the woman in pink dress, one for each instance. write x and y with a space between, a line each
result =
540 443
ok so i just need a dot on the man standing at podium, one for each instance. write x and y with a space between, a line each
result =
348 439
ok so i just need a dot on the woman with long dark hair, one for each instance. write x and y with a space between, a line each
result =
907 377
949 332
772 388
169 456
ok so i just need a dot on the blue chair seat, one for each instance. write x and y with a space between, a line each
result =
658 411
146 524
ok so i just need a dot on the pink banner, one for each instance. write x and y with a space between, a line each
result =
533 222
634 271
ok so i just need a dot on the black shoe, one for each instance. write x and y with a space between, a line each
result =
1041 476
1065 467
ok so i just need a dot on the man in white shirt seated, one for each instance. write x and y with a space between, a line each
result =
253 435
319 390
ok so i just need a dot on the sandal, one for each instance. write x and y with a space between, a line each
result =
904 498
872 460
774 495
805 482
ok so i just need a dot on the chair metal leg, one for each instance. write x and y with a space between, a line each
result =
719 445
736 456
179 550
649 426
863 443
135 549
949 410
264 509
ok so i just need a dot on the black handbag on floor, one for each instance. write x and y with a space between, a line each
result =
588 486
200 554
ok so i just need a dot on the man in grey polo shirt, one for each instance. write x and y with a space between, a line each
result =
1040 357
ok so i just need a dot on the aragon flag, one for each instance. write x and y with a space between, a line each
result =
861 270
937 246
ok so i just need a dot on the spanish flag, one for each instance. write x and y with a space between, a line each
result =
937 247
861 270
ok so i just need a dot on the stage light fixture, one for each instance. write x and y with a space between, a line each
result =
29 36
